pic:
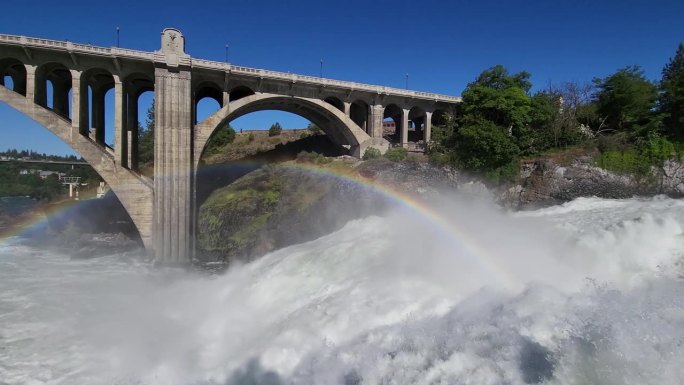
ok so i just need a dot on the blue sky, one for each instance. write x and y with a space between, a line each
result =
442 45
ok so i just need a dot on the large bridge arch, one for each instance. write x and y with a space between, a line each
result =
340 128
135 192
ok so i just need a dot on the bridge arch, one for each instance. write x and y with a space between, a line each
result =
59 78
136 84
97 82
395 113
359 112
16 71
239 92
340 128
134 191
336 102
417 118
206 90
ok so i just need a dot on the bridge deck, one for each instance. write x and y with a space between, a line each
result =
123 53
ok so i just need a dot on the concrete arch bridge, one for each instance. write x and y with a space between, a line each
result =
65 87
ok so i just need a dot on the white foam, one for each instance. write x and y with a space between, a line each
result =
590 294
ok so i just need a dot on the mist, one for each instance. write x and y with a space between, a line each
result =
586 292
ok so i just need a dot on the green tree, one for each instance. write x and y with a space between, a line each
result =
626 101
499 98
671 100
275 129
485 146
146 140
219 139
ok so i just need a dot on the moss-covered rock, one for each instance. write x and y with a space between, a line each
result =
274 207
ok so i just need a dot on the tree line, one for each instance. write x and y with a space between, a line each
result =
500 120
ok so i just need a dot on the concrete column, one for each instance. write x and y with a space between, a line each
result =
98 114
377 113
403 133
347 109
77 106
226 98
120 116
427 127
30 82
173 166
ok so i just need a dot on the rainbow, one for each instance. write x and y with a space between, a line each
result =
411 203
36 218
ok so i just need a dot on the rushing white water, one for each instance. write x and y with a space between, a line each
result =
584 293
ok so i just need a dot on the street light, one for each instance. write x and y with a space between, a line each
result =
117 37
321 68
407 80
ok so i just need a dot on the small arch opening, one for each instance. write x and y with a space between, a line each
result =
416 129
335 102
391 123
53 84
208 99
99 111
13 75
358 112
240 92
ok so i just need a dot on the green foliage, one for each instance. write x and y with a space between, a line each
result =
250 137
314 129
671 99
499 98
312 157
371 153
396 154
638 160
14 184
275 129
219 139
626 101
146 140
485 146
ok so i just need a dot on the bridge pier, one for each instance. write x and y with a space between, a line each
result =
173 164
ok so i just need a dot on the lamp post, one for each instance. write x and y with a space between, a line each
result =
407 80
226 53
117 37
321 68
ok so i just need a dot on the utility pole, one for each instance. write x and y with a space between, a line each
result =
118 42
321 68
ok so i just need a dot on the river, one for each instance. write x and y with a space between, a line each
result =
589 292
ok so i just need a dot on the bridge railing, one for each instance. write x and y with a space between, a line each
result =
341 83
208 64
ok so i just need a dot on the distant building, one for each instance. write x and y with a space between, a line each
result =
45 174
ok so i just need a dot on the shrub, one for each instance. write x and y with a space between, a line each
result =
250 137
312 157
314 129
396 154
485 147
275 129
371 153
222 137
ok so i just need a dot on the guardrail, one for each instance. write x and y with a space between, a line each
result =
214 65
